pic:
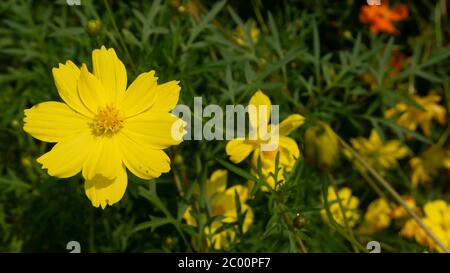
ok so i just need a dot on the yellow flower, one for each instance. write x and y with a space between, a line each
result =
381 156
240 148
321 145
268 175
427 165
437 219
409 229
377 216
418 172
240 34
343 207
399 212
221 204
219 239
104 127
411 116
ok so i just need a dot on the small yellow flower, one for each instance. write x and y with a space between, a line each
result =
343 207
409 229
419 173
377 216
411 116
437 219
399 212
427 165
103 127
321 146
240 34
221 204
240 148
381 156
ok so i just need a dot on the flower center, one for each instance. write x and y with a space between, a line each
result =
108 121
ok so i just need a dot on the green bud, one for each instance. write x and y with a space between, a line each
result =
321 146
94 27
299 222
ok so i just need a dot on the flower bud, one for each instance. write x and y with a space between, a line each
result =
94 27
179 160
15 124
321 146
26 161
299 221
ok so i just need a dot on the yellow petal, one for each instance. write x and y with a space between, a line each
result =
238 150
249 216
242 191
167 95
259 99
446 163
140 95
68 156
66 79
289 152
102 191
53 121
375 139
291 123
104 159
110 71
92 92
189 218
435 209
217 183
141 159
154 129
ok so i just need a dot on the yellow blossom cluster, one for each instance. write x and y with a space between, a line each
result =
342 206
221 205
437 219
380 155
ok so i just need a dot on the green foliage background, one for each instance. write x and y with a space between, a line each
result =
309 59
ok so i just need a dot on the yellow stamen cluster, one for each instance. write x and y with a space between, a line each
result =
108 121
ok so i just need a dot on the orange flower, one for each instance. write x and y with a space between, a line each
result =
381 17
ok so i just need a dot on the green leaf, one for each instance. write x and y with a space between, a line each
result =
153 224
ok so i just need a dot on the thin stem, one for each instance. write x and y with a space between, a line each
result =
396 196
374 186
259 15
288 221
176 177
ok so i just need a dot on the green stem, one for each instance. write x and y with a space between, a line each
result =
374 185
289 223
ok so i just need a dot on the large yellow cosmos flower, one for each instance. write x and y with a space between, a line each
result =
104 127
